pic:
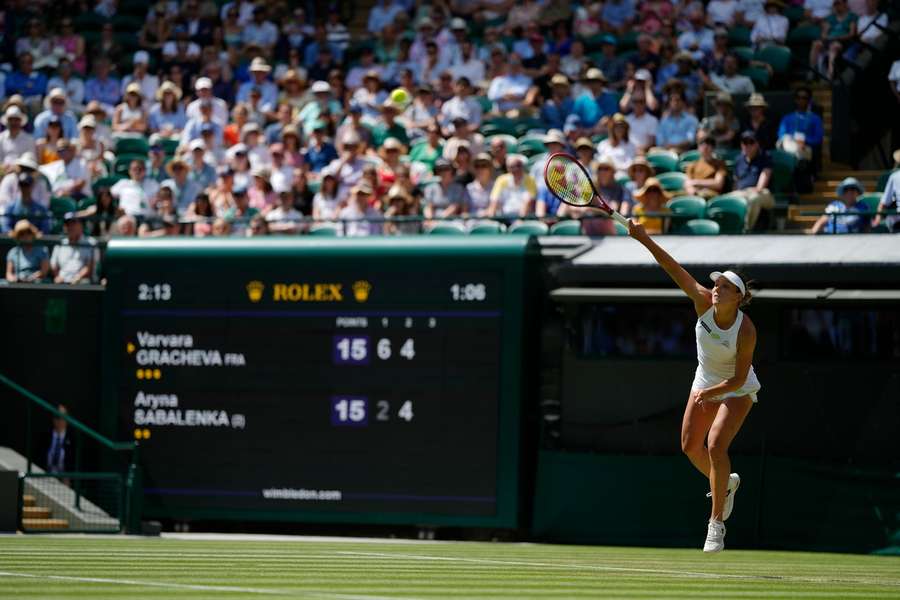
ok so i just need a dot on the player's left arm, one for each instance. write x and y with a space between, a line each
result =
746 344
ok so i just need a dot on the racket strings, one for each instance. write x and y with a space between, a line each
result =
568 181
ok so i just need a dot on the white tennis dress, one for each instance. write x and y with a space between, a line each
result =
716 354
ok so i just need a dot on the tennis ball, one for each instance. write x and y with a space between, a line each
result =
400 96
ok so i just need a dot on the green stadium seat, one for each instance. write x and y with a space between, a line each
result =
447 229
623 179
794 14
531 146
759 76
627 41
783 165
686 208
672 181
170 146
527 125
871 200
498 125
508 139
324 230
882 181
85 203
739 36
594 43
663 161
571 227
598 138
803 35
133 145
745 53
777 57
730 212
485 103
59 206
128 23
486 228
107 182
687 157
699 227
529 228
120 167
728 154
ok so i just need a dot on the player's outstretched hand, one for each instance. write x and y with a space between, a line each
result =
637 231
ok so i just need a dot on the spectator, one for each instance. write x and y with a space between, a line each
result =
320 108
817 10
257 151
130 116
354 124
890 200
872 22
708 174
759 122
801 133
204 89
515 192
200 174
259 72
359 218
182 51
848 193
651 201
102 215
25 206
260 31
60 453
9 185
714 60
72 46
183 188
617 148
325 203
388 126
838 31
572 64
721 13
677 128
611 65
508 91
89 148
72 260
560 105
723 126
383 14
140 74
27 82
284 218
402 208
320 152
14 140
462 104
137 194
336 32
370 96
646 57
686 76
698 39
156 169
642 125
479 190
639 171
752 174
750 11
48 147
69 82
167 116
467 64
445 197
730 81
238 215
26 262
595 106
639 86
200 215
585 151
772 27
554 141
348 168
102 87
102 131
68 176
221 228
198 128
55 105
617 16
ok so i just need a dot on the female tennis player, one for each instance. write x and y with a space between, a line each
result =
725 384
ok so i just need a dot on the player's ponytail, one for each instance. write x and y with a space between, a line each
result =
749 285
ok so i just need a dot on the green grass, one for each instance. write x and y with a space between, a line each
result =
129 568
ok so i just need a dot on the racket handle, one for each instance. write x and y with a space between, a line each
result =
615 215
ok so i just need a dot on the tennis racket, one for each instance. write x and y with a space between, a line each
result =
569 181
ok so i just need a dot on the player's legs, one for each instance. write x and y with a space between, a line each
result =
696 423
729 418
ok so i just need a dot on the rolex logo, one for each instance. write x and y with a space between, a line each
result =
255 290
361 290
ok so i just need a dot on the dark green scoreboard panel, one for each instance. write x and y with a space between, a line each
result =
338 381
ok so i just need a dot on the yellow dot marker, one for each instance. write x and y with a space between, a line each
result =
130 348
137 434
146 433
140 374
157 374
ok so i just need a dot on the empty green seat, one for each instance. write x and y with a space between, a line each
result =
120 167
672 181
566 228
59 206
739 36
699 227
324 230
686 208
804 34
133 145
498 125
447 229
871 201
730 212
106 182
783 165
777 57
169 145
531 146
529 228
525 125
745 53
486 228
663 161
759 76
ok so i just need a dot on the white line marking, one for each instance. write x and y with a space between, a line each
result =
159 584
576 566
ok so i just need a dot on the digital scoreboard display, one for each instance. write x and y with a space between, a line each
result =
353 381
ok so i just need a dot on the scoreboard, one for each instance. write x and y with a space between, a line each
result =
333 381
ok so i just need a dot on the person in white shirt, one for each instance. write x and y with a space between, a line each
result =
260 31
508 91
750 11
257 151
462 105
871 23
68 80
14 141
69 175
817 10
203 87
721 12
136 194
468 65
149 83
348 169
730 80
618 148
642 125
772 27
357 211
10 192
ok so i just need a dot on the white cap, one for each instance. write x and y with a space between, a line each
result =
321 87
280 185
141 56
203 83
457 23
197 145
732 277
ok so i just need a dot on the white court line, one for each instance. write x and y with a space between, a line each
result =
208 588
576 566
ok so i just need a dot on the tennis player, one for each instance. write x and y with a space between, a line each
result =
725 385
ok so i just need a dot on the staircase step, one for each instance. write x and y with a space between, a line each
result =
28 500
45 524
35 512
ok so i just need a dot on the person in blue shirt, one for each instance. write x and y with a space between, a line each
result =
26 81
25 208
104 89
848 193
677 128
597 105
320 152
803 120
259 73
752 175
26 262
618 15
56 105
560 105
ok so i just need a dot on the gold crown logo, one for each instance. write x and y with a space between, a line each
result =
361 290
255 290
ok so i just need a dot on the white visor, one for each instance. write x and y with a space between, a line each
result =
732 277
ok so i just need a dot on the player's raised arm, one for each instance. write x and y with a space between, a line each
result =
700 295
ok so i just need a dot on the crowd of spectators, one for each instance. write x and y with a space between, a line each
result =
245 118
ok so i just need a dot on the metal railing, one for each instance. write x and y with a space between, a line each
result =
132 481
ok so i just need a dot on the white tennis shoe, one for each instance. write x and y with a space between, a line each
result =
734 482
715 537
